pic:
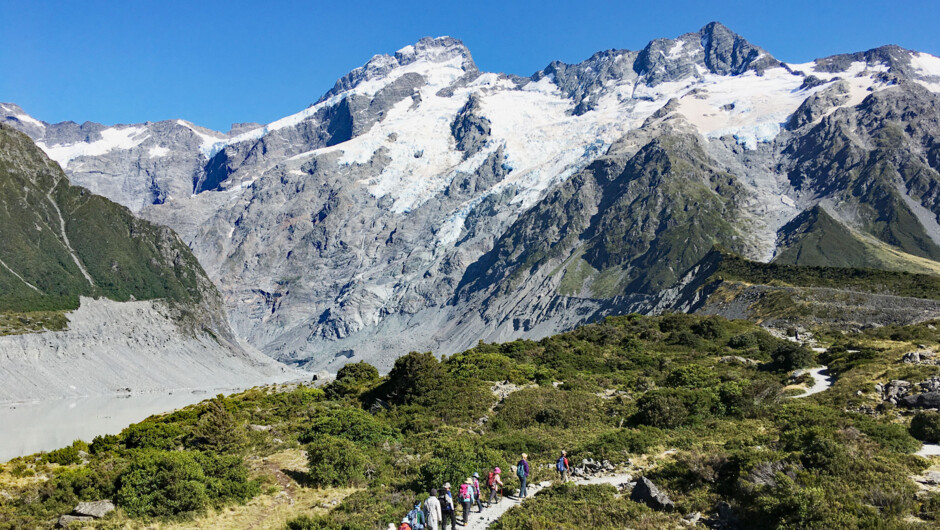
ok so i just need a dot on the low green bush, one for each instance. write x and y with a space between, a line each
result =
925 426
335 461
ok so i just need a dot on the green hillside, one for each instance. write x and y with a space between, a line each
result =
59 242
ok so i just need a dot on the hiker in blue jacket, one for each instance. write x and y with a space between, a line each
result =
522 471
563 467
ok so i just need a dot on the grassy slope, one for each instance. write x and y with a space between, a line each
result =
821 241
899 283
632 387
126 257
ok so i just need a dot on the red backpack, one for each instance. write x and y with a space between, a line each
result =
404 526
465 493
490 479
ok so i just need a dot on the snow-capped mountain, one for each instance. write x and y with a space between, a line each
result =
424 204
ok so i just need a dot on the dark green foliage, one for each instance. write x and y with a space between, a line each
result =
217 429
891 436
791 356
414 378
479 363
352 424
592 506
710 328
152 435
662 410
925 426
548 407
619 444
692 376
732 267
66 455
453 460
104 443
335 461
353 379
162 483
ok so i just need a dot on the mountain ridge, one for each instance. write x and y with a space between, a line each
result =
353 228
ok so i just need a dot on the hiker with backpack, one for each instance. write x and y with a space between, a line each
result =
563 467
432 511
416 518
466 497
522 471
447 508
493 482
476 491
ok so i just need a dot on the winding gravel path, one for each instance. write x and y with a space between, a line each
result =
821 382
491 514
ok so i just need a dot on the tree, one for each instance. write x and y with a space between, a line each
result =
791 356
351 379
218 430
414 377
658 409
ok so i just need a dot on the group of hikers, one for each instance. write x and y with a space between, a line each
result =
441 506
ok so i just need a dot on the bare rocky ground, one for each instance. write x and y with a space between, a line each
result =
122 347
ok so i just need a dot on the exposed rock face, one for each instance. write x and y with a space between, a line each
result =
96 509
423 204
67 521
647 493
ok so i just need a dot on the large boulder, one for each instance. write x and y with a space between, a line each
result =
66 521
96 509
647 493
927 400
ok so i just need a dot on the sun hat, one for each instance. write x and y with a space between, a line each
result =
476 475
447 485
498 470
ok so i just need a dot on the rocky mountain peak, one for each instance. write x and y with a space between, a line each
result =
727 53
893 57
436 50
440 51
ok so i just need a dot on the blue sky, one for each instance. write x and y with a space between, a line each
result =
215 63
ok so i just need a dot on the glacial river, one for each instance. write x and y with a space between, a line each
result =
27 428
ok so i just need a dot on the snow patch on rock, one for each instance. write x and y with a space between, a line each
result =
112 138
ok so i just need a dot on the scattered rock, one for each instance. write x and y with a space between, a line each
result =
896 389
765 473
378 405
735 359
96 509
932 477
692 519
259 428
927 400
66 521
647 493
